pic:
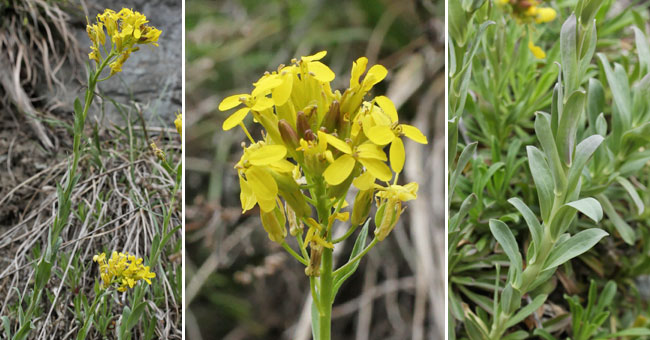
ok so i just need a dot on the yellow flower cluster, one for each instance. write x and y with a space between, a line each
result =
528 12
318 137
122 269
125 29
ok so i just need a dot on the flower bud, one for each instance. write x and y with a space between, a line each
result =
289 135
314 260
309 135
386 218
331 117
159 153
362 204
302 124
274 224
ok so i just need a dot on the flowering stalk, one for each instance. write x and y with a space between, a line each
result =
126 30
317 144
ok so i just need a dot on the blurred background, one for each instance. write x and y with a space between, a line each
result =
239 285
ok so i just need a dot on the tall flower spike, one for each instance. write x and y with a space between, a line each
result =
315 144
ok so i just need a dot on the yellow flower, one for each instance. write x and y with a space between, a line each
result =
386 130
536 50
125 29
315 144
390 207
371 156
545 14
255 169
122 269
179 123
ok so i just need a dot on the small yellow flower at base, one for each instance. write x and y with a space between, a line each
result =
536 50
123 270
179 123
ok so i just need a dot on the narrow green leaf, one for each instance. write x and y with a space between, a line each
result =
510 299
546 139
620 87
543 180
78 110
584 150
315 321
575 246
544 334
507 241
624 229
634 195
628 332
588 206
467 204
534 226
568 125
526 311
595 101
643 50
517 335
569 53
464 158
135 315
359 245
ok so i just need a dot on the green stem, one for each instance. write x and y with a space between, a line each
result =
44 267
294 254
325 291
326 298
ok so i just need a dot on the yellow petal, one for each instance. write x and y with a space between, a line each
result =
282 165
318 56
335 142
387 105
262 184
413 133
369 150
358 67
282 93
380 117
267 205
377 168
246 195
380 134
235 118
397 155
262 103
376 74
321 71
267 154
266 84
338 171
364 182
231 101
322 242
